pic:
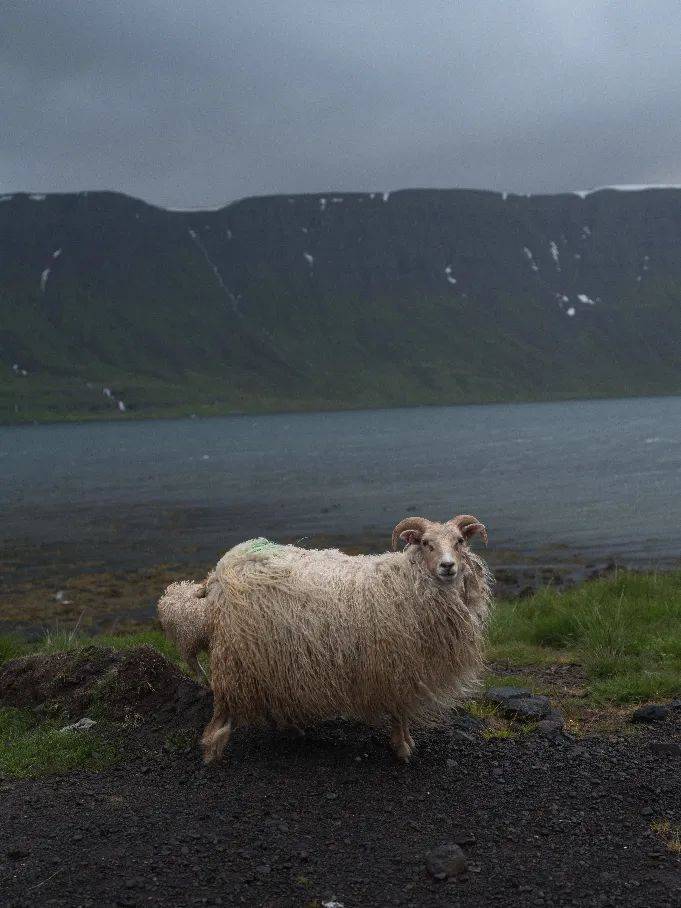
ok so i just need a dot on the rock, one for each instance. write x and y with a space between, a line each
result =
666 748
652 712
464 722
550 728
81 725
528 708
464 837
446 861
521 703
502 695
674 704
17 853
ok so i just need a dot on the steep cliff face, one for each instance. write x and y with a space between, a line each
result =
422 296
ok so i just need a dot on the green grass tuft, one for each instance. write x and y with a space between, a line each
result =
12 647
625 630
30 748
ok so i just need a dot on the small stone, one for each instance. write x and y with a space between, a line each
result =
519 702
527 708
81 725
451 764
550 728
263 869
464 837
504 694
652 712
666 748
17 853
446 861
330 795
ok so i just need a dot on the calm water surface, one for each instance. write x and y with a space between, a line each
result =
587 479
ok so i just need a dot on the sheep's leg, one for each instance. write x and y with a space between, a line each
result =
216 734
288 728
405 732
399 739
197 669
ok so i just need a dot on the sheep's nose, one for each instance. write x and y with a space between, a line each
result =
448 567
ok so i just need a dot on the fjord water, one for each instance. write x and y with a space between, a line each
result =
588 479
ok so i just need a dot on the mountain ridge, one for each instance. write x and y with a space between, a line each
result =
334 300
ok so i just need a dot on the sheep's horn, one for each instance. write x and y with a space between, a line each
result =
409 523
469 525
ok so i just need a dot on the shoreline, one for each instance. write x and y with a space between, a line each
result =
104 598
188 412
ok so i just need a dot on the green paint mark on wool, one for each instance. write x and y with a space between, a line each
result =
260 544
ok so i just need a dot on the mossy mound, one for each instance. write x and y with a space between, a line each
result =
106 684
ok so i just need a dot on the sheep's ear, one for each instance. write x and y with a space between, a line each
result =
410 525
468 526
410 537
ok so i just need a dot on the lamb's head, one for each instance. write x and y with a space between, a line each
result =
442 546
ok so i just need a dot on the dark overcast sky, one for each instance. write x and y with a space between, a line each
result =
198 102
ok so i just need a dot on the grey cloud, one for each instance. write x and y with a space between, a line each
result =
196 103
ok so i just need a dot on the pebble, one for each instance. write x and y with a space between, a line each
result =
81 725
520 703
666 748
652 712
17 853
446 861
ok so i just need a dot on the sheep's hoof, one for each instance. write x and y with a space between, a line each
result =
402 752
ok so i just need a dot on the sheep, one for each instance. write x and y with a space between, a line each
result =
305 635
186 619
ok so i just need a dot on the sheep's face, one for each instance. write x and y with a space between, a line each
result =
441 546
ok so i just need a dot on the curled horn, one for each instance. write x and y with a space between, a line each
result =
409 523
469 525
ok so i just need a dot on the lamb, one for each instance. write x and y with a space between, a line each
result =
304 635
186 618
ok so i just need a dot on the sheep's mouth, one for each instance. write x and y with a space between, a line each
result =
447 578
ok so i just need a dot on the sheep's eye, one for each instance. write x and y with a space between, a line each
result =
428 546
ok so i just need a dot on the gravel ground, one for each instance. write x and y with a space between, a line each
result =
331 818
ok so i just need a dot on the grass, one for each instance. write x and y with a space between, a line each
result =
625 631
670 834
61 640
30 747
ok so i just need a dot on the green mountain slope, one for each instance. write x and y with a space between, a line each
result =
425 296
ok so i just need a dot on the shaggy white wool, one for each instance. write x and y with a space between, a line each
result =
186 619
302 635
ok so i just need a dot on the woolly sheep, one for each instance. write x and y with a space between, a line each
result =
186 619
302 635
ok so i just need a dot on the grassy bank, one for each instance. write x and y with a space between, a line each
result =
625 632
617 640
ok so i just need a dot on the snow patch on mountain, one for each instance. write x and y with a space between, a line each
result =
530 258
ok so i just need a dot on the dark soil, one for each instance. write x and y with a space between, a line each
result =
138 687
293 822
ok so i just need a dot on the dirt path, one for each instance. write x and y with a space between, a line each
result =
286 822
